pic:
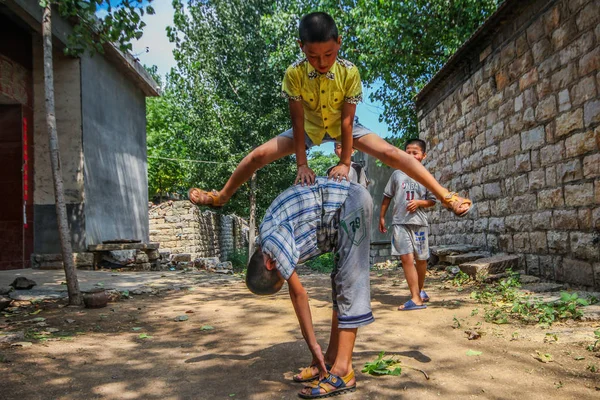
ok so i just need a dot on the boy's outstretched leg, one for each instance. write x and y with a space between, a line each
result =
264 154
398 159
414 285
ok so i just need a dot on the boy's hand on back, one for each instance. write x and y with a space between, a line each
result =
412 205
305 175
339 172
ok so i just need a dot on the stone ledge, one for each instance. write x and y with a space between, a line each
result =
445 250
491 265
463 258
123 246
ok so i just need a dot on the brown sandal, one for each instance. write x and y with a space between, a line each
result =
214 200
453 202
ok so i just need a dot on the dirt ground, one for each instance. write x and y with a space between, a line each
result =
235 345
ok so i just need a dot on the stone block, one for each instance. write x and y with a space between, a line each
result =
548 66
552 153
182 257
541 50
591 166
564 100
564 219
518 223
577 48
548 266
495 100
558 242
590 62
523 161
535 159
518 103
521 45
583 91
528 79
536 31
492 190
141 257
537 179
496 225
544 88
575 271
584 218
492 265
490 154
446 250
532 265
485 53
521 242
520 66
569 171
538 243
588 17
505 243
506 109
581 194
510 146
550 198
580 143
591 113
533 138
570 121
541 220
466 257
585 245
528 117
520 186
563 77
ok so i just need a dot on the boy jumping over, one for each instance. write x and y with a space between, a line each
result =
303 222
410 226
323 91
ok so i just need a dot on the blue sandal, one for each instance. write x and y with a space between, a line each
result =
331 380
411 305
424 296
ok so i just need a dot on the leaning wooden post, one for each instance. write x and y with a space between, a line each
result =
75 297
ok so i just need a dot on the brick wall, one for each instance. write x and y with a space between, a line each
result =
515 121
180 228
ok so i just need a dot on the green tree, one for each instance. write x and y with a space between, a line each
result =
120 24
400 44
229 88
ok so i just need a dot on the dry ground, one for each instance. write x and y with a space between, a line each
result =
236 345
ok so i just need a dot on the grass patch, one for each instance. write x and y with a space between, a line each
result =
507 302
323 263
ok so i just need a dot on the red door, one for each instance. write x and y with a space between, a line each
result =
12 251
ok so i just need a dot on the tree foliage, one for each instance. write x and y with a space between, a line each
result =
231 56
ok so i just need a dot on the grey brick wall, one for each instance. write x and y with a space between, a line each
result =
180 228
518 128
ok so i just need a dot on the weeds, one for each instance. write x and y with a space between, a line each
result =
323 263
596 345
506 301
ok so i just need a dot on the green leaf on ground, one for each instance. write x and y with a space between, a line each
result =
136 328
144 336
206 328
383 366
474 353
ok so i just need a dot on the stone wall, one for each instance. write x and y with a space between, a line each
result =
181 228
514 120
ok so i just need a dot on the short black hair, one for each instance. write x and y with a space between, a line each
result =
317 27
259 279
418 142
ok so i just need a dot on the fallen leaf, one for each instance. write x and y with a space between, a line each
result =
136 328
144 336
543 357
36 312
189 312
473 353
181 318
206 328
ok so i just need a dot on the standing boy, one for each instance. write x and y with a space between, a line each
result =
323 91
410 227
304 222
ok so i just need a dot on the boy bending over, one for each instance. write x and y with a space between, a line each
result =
323 91
410 227
304 222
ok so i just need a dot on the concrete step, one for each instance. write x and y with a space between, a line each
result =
483 267
456 259
446 250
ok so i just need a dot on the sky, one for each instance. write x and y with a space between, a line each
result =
154 48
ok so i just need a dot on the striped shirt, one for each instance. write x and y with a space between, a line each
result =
300 223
